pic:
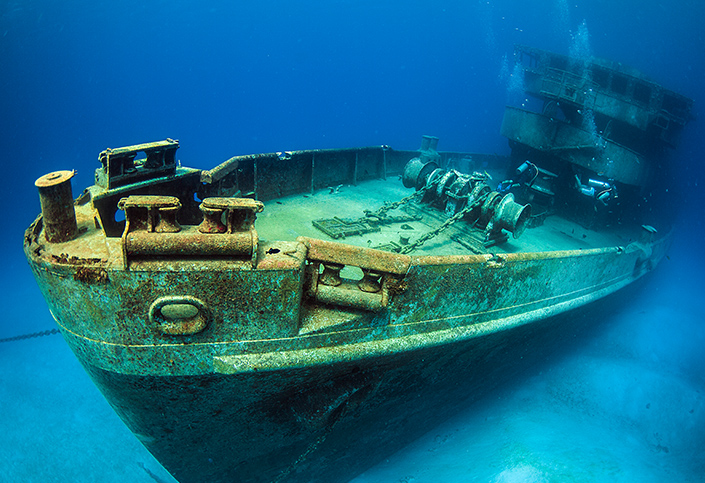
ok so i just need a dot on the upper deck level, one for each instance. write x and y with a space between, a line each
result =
610 89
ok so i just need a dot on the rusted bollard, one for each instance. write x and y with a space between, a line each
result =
56 198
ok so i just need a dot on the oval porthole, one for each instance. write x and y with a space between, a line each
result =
179 315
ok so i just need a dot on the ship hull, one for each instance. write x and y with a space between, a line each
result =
327 423
316 411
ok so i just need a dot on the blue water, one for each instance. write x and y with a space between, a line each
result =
238 77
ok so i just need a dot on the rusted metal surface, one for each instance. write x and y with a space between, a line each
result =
120 167
325 251
464 196
219 172
349 295
114 317
190 242
154 214
274 175
417 295
179 315
380 271
238 215
56 199
227 228
182 185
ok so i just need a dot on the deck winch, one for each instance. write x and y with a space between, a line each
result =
456 192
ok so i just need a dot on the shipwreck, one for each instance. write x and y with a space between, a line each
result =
297 316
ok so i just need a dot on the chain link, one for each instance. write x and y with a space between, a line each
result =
29 336
382 212
433 233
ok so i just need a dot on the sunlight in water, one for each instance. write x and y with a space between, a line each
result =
580 45
515 85
504 70
562 16
589 126
514 81
521 474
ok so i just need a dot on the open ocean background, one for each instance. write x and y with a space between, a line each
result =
238 77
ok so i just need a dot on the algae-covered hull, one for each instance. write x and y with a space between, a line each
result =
322 424
298 316
220 412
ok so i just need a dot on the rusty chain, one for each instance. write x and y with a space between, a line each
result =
380 213
30 336
433 233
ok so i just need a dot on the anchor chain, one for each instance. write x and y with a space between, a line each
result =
311 448
433 233
315 444
388 206
29 336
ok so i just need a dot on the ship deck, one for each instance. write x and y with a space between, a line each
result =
290 217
